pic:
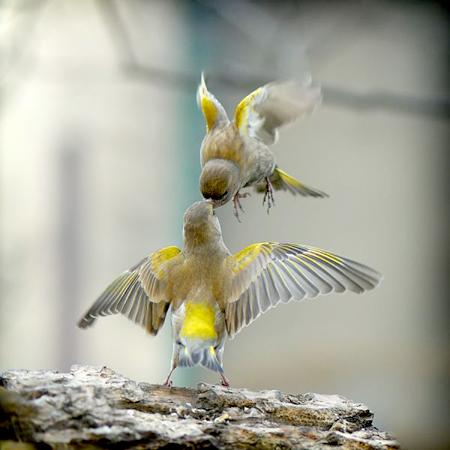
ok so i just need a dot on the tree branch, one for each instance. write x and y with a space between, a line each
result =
100 408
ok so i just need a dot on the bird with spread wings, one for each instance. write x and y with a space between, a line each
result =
214 294
235 154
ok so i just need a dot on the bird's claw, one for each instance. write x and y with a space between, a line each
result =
224 381
237 204
268 195
168 382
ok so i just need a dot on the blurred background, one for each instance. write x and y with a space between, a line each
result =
99 154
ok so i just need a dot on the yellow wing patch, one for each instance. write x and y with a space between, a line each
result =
247 255
242 112
212 110
199 321
209 111
160 257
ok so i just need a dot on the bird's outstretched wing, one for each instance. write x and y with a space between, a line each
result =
270 273
269 107
213 112
138 293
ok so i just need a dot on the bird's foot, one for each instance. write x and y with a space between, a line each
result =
268 196
168 381
237 204
224 381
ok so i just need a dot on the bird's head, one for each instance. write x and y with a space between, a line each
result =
219 181
201 226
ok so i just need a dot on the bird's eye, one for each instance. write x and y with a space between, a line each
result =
178 342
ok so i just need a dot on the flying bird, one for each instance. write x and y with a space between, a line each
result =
235 154
213 294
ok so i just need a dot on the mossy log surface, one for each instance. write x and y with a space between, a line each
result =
98 408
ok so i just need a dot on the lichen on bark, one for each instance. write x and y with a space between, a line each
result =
98 408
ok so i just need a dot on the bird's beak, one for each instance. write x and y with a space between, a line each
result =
212 203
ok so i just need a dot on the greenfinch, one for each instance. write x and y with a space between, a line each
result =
235 154
213 294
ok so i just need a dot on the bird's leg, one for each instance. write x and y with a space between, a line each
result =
237 203
268 195
224 380
168 381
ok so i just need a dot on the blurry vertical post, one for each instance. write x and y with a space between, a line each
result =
68 252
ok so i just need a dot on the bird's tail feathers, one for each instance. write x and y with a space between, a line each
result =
186 359
207 357
211 360
283 181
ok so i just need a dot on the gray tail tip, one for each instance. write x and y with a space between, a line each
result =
317 193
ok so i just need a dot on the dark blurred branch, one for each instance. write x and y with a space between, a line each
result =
438 107
435 107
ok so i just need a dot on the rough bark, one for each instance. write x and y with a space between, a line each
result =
98 408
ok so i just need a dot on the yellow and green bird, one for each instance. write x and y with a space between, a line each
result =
213 294
235 154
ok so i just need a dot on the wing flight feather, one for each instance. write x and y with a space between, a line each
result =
270 273
138 293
